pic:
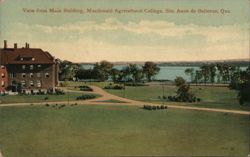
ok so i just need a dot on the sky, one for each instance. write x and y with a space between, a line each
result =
143 36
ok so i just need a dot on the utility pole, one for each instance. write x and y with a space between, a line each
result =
163 92
124 90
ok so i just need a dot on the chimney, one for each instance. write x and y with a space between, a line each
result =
26 45
15 45
5 44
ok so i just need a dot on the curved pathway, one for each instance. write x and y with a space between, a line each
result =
107 97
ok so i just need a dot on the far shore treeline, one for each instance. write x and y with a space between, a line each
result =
207 74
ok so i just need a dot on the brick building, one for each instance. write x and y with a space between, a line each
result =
28 69
3 79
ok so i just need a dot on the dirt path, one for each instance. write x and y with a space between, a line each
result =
1 155
106 97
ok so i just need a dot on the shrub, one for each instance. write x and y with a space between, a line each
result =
47 105
85 97
135 84
154 107
59 92
198 99
46 98
118 87
63 84
85 88
149 107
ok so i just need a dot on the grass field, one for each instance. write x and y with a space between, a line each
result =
39 131
37 98
213 97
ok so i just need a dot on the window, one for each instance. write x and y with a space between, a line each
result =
31 67
33 58
39 65
21 58
23 67
23 83
31 83
3 75
46 75
31 75
39 84
23 75
12 75
2 83
38 74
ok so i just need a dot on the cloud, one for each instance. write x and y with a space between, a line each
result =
114 40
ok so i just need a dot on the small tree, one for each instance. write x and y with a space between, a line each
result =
183 93
179 81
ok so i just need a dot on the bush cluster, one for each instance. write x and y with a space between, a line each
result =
135 84
118 87
150 107
85 88
85 97
57 92
185 99
58 106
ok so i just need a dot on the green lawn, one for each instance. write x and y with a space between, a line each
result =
37 98
73 84
39 131
214 97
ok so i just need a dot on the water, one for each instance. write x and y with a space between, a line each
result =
171 72
166 72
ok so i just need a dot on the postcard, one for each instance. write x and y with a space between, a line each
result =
85 78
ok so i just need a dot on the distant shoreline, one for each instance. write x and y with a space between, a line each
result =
236 62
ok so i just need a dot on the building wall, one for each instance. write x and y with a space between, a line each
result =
33 76
3 78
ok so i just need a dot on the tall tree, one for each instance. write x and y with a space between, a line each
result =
115 74
150 69
102 70
135 72
190 72
198 76
67 70
244 87
212 72
205 73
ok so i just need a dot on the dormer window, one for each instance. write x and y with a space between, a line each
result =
31 75
23 67
21 59
39 65
2 67
3 75
33 59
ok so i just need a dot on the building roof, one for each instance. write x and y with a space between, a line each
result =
25 56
